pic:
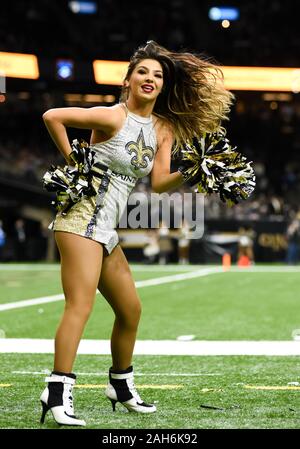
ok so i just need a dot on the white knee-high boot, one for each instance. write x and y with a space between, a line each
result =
121 389
58 398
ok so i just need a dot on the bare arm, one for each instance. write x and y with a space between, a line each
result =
161 178
57 120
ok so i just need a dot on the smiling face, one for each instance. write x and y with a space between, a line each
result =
146 80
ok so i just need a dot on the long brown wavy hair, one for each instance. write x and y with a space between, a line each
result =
194 99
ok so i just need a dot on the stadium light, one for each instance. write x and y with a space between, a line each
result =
18 65
223 13
82 7
65 69
109 72
280 79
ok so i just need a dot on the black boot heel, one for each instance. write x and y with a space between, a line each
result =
45 410
113 403
58 397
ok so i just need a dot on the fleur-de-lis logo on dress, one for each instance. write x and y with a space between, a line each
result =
140 152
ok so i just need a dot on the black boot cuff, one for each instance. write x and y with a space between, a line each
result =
124 371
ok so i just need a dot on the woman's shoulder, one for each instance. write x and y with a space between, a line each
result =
164 128
116 110
115 114
163 124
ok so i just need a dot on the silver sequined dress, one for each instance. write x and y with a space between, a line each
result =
129 155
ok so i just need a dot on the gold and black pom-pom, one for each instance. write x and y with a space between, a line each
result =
71 183
212 165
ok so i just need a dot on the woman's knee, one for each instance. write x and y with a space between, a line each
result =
138 310
80 309
130 316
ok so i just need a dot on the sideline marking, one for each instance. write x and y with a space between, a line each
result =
269 387
146 283
159 347
134 267
31 302
5 385
157 267
138 284
28 267
209 390
154 387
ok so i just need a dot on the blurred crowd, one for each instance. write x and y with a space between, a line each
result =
266 131
49 28
268 137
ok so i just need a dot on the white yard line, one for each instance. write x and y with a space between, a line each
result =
138 284
168 268
29 267
134 267
204 271
178 277
160 347
31 302
136 373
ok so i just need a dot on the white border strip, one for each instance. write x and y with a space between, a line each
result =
138 284
168 268
134 267
160 347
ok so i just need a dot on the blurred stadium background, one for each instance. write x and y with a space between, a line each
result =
48 50
64 43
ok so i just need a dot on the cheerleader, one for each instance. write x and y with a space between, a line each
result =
165 97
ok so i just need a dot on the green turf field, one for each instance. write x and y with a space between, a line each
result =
246 305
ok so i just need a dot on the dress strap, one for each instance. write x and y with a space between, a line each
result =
124 106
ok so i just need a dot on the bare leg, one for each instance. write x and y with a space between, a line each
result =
81 261
117 286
